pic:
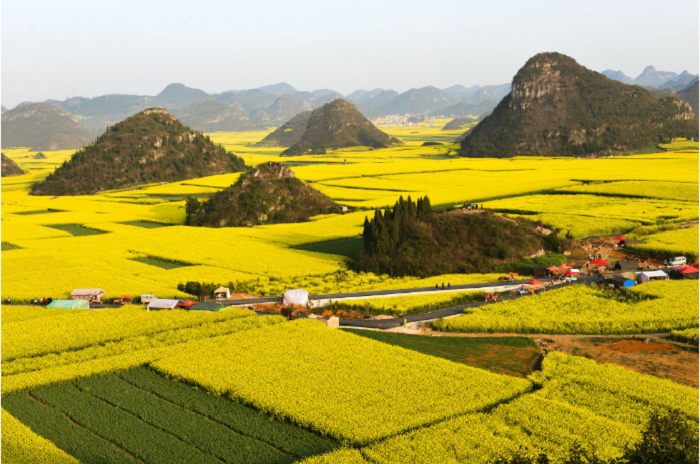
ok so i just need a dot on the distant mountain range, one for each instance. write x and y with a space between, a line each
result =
274 105
558 107
650 77
42 126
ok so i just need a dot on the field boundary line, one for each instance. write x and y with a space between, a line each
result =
147 423
78 424
204 415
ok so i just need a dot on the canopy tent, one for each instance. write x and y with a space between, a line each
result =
687 270
69 304
187 304
534 282
571 273
647 276
564 267
552 269
601 262
619 239
298 297
163 304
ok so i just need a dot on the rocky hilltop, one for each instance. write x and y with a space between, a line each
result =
267 194
9 167
558 107
42 126
338 124
290 132
151 146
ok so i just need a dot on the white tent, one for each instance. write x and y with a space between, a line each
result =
646 276
163 304
296 297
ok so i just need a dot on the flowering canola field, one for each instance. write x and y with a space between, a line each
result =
573 194
654 307
389 404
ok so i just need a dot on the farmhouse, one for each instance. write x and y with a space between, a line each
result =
620 282
163 304
648 276
222 293
626 265
93 295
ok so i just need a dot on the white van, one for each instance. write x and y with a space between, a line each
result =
145 299
677 261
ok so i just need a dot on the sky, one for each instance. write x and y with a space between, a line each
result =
55 50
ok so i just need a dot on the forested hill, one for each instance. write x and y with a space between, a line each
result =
267 194
558 107
290 132
412 240
151 146
338 124
10 168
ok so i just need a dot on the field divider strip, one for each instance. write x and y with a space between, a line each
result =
148 423
205 416
77 424
111 340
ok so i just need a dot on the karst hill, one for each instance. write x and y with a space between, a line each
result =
151 146
335 125
558 107
267 194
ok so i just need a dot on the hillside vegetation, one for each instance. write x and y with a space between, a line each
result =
151 146
558 107
42 126
268 194
338 124
290 132
10 168
411 239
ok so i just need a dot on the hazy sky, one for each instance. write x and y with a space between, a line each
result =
51 49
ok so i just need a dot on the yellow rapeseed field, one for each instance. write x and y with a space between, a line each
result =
337 383
48 261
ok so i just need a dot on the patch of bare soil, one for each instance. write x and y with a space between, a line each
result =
645 356
342 314
243 296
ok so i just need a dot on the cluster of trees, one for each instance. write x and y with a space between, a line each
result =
412 239
382 234
206 289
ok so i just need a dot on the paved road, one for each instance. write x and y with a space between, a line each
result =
404 291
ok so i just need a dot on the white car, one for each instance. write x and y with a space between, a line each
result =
145 299
677 261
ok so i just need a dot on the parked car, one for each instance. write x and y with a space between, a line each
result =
677 261
145 299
